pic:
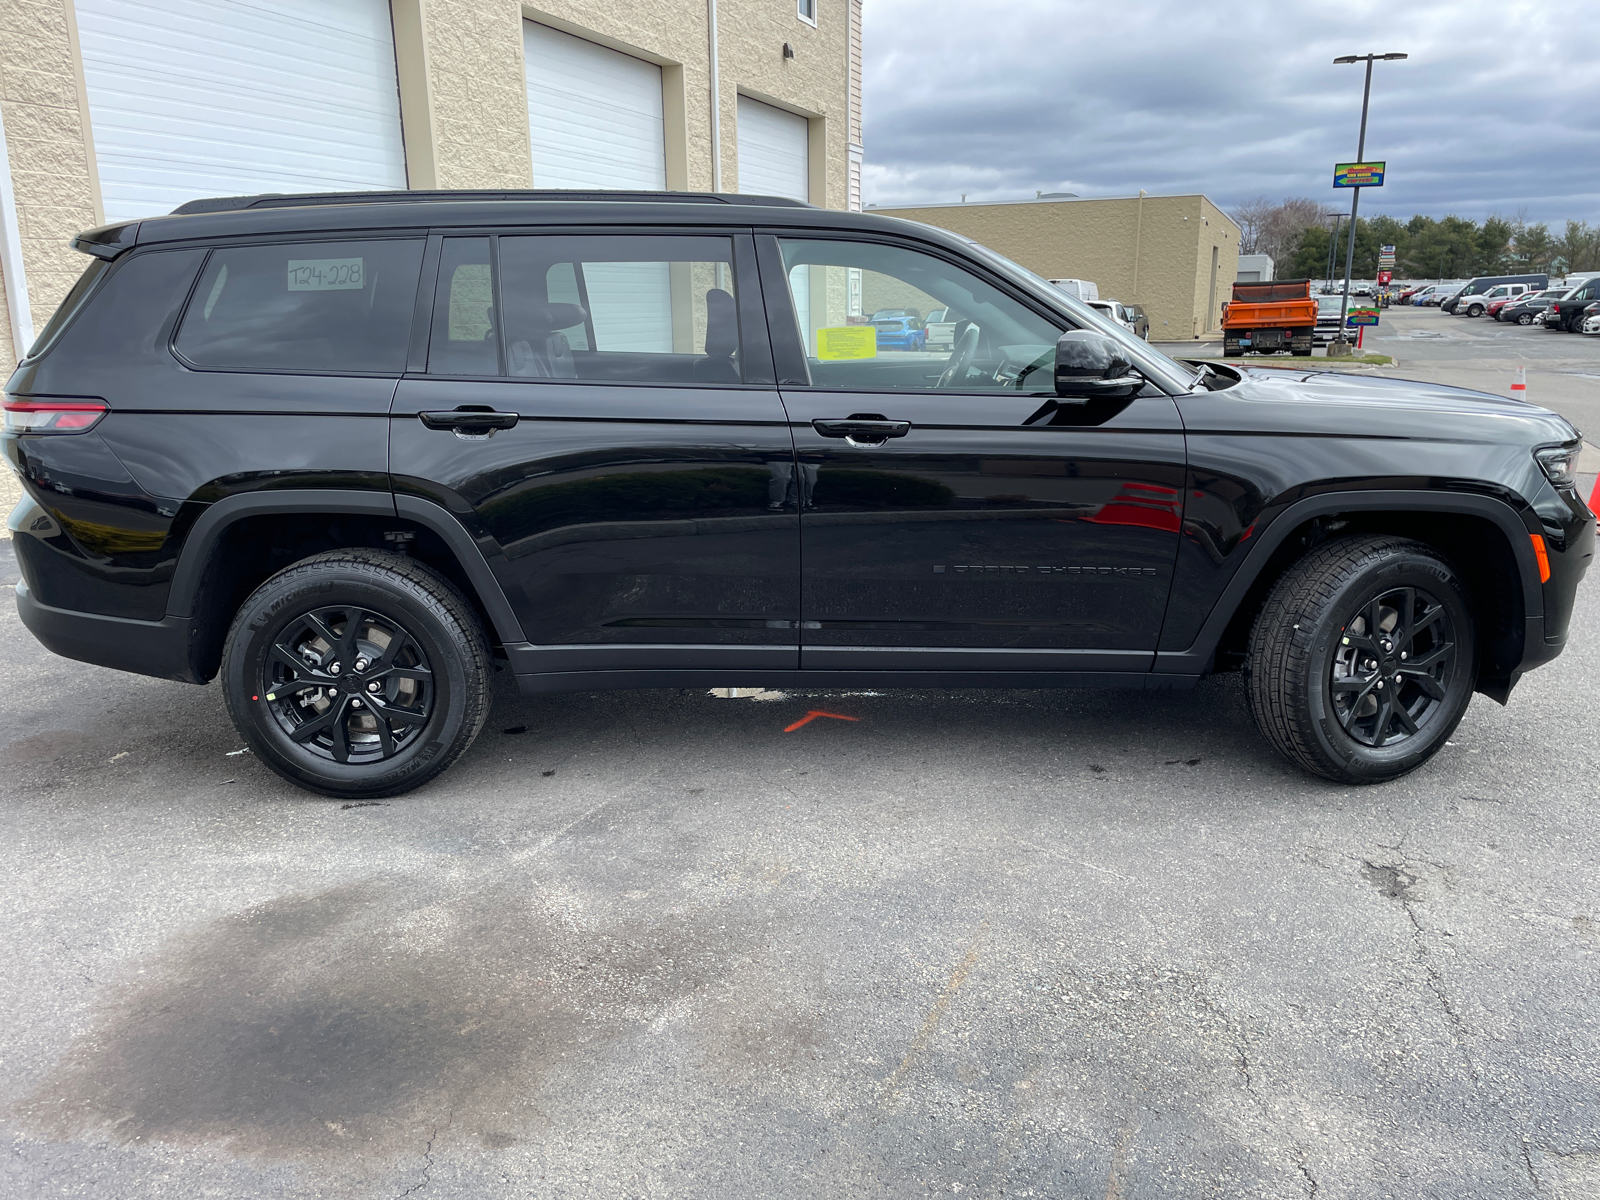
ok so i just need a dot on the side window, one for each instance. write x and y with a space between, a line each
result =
464 340
625 309
878 316
328 307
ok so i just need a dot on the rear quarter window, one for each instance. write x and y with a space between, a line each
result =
68 308
323 307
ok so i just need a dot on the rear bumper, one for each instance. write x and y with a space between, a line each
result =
159 648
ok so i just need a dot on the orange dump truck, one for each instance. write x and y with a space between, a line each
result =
1276 315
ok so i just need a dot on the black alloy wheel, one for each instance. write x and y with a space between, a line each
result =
357 673
1363 659
1393 666
348 683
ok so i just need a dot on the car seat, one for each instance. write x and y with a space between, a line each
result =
722 340
545 352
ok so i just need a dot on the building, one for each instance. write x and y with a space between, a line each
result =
1175 256
1255 268
116 109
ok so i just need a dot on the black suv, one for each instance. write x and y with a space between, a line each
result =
347 451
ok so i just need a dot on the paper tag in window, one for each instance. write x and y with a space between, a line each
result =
847 341
326 275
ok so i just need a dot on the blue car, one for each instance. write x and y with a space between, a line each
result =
899 329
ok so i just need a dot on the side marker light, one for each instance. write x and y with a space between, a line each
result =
1543 555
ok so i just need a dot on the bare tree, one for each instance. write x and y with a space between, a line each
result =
1252 217
1282 230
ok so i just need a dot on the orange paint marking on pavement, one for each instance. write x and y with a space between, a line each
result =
813 715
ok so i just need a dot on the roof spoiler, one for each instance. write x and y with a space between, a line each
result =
107 241
301 199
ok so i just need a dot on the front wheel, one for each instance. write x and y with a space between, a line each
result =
1525 319
1362 661
357 673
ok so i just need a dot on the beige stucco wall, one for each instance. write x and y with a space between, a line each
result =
465 104
1154 252
463 101
47 144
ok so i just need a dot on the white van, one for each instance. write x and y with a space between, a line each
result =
1078 289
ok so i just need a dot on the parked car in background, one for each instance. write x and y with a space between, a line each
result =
1328 309
1476 305
1130 316
1473 289
1591 318
939 330
899 329
1528 309
1444 295
1567 312
1078 289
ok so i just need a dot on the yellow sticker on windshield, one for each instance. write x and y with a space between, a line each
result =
847 341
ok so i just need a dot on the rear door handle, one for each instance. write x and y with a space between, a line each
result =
469 420
862 430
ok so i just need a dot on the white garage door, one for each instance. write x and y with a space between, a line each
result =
194 98
594 114
773 151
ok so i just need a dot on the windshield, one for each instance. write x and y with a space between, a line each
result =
1140 350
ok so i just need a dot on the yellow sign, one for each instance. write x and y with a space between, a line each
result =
847 341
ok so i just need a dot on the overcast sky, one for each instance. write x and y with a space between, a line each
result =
1498 107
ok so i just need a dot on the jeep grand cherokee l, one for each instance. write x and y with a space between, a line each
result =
344 452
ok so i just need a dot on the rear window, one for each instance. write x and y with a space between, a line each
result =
326 307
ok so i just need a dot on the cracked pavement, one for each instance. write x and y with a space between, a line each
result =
647 944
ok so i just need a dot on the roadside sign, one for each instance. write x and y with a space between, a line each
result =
1361 316
1385 256
1385 278
1348 175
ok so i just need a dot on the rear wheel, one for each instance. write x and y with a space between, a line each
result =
357 673
1362 661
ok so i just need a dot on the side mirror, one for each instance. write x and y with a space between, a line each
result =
1091 366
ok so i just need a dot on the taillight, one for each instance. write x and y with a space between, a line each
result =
52 416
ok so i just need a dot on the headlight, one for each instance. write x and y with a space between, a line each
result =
1560 463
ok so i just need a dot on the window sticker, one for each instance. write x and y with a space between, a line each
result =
847 341
326 274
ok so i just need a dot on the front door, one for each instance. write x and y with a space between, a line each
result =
634 510
955 514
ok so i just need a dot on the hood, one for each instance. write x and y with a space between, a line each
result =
1337 403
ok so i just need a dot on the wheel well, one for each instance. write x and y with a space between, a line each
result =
251 550
1475 546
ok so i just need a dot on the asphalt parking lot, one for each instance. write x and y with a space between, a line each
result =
649 944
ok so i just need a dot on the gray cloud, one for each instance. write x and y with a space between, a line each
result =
1497 109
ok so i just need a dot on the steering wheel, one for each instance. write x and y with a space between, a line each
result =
960 360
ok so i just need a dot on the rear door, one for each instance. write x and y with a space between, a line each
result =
954 514
633 509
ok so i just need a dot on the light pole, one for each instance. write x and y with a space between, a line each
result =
1355 200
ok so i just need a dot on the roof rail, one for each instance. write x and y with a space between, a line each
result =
296 200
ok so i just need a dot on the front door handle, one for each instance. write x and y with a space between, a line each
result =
862 430
469 420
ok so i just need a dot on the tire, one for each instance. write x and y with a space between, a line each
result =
288 664
1525 319
1475 310
1306 678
